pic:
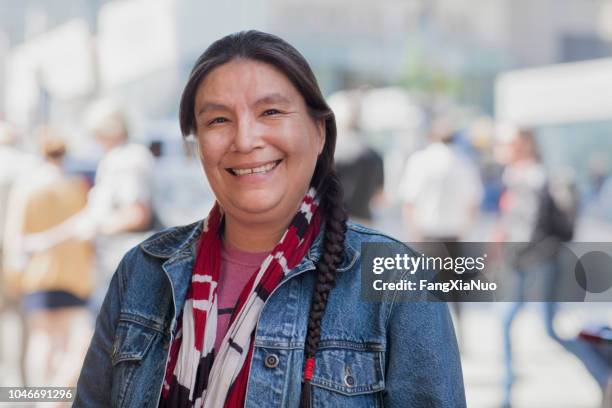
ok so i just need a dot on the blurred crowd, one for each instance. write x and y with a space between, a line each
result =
64 231
457 176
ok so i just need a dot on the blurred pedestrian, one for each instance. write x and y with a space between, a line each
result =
441 192
524 179
121 198
13 163
537 214
441 189
54 284
359 167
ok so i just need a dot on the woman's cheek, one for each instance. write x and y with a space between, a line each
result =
212 148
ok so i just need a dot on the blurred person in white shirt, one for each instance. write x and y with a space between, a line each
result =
441 192
441 189
121 198
13 163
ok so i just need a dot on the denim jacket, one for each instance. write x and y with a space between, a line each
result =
371 354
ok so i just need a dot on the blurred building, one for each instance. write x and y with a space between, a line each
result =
567 106
145 48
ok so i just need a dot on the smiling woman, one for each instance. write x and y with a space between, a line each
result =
259 304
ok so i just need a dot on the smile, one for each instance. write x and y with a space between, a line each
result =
264 168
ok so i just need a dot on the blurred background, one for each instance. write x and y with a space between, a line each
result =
458 120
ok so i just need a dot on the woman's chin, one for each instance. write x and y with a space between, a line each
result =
257 203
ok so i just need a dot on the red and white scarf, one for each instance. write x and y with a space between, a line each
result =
196 374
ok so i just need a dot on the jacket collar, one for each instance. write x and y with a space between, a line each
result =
177 247
181 242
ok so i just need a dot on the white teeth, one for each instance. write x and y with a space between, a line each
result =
261 169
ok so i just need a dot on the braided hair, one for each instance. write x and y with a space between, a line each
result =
273 50
333 245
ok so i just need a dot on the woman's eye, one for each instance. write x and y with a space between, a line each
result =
217 120
271 112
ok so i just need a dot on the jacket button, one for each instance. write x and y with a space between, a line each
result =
349 380
271 361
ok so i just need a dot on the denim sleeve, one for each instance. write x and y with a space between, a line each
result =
423 365
94 384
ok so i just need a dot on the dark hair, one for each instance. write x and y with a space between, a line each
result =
271 49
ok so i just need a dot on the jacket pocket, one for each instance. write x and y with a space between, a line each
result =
347 378
131 344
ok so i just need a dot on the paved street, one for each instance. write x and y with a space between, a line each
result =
547 375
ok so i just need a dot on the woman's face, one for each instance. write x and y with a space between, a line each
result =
258 143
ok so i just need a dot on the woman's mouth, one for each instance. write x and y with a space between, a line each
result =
262 169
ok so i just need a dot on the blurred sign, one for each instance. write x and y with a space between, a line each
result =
388 109
58 63
135 38
561 93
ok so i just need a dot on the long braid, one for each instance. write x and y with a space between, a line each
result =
333 246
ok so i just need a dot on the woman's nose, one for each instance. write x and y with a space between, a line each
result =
247 137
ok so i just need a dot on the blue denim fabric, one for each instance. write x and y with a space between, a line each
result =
371 354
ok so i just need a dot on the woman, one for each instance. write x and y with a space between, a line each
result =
277 247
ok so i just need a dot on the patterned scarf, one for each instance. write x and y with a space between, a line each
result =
196 374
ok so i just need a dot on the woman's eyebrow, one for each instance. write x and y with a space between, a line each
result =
272 98
208 106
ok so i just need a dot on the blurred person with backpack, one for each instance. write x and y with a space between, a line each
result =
537 215
53 284
539 211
